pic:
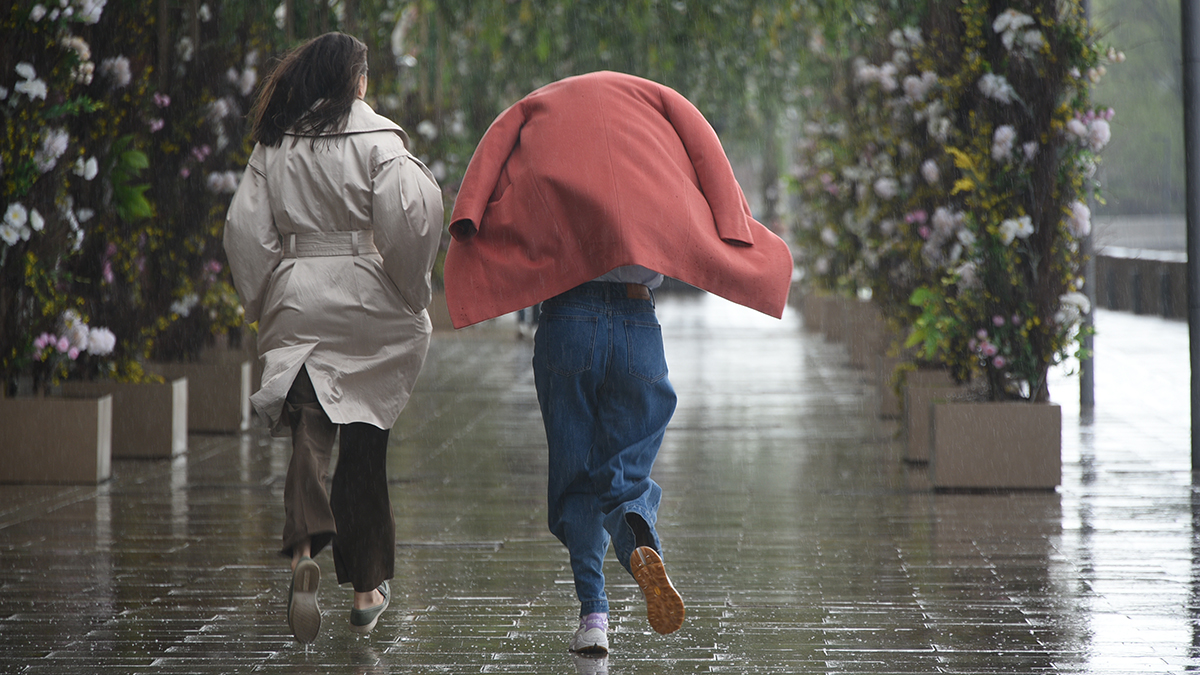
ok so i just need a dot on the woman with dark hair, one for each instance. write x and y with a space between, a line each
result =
331 238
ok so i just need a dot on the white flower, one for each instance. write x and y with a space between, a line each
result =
204 13
84 215
886 188
997 88
1098 134
966 237
36 221
25 70
1077 128
1079 219
186 49
116 68
1002 142
219 109
945 221
15 215
101 342
87 169
829 237
37 13
54 144
428 130
9 234
930 172
34 88
967 274
1033 40
1030 149
184 305
3 93
90 10
913 35
1071 307
896 37
917 88
1016 228
223 181
247 81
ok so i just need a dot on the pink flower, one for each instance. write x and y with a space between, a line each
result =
971 344
73 353
989 350
106 272
1016 319
63 344
981 334
999 362
161 100
924 231
156 125
997 321
918 216
184 172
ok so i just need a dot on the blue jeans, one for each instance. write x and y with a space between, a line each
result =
601 379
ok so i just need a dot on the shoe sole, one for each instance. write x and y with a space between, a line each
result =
304 616
591 650
664 607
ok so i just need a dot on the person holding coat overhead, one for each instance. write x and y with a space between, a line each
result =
331 238
582 196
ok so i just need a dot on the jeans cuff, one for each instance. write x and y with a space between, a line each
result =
593 606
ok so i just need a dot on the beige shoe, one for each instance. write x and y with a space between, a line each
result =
664 607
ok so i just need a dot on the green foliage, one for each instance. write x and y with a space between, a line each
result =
130 199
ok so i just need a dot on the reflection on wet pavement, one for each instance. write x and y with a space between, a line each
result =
799 539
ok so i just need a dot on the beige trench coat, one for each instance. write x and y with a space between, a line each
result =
331 249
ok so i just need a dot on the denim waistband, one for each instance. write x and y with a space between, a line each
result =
608 291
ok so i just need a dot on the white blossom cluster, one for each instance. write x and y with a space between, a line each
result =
1015 32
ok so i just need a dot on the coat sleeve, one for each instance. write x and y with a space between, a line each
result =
251 240
408 212
483 172
730 210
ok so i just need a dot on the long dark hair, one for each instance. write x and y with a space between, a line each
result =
311 91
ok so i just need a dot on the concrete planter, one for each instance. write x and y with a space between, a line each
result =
997 445
921 389
890 406
56 439
811 310
218 399
867 334
149 421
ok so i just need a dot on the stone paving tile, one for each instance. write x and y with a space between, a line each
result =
799 539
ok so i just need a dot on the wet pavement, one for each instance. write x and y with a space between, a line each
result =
799 539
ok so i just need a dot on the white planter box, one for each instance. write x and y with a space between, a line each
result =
56 439
1001 445
149 420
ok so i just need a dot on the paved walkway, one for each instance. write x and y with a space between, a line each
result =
792 529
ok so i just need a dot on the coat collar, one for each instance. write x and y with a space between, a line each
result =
365 120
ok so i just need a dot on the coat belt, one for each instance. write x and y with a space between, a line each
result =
320 244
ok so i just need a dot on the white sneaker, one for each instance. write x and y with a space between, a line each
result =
592 635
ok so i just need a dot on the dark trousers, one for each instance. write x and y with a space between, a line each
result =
356 514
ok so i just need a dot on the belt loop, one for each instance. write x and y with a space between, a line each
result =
354 242
292 243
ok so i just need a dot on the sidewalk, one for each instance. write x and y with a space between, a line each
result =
788 522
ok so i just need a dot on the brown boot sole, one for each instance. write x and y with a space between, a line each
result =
664 607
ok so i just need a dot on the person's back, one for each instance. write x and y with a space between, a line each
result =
331 238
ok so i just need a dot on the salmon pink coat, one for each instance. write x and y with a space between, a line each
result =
598 171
